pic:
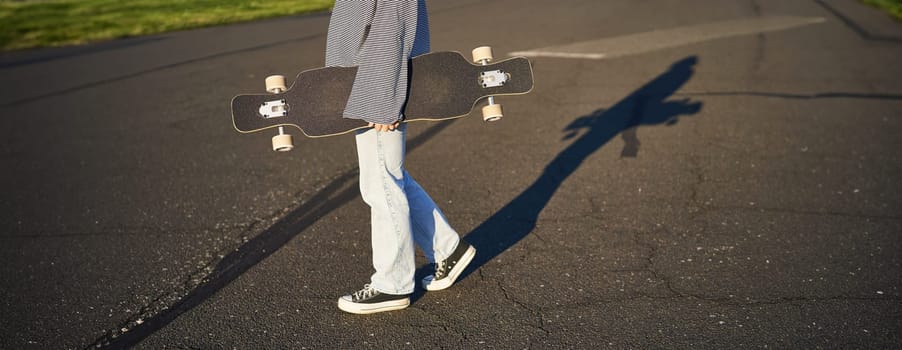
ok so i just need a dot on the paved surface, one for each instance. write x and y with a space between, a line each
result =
688 190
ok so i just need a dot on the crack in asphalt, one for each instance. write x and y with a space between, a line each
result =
698 172
805 212
525 306
794 95
124 231
723 301
857 28
150 70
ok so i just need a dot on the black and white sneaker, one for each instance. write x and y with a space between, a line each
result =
447 271
369 300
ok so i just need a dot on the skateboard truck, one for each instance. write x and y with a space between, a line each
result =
278 108
494 78
483 55
274 109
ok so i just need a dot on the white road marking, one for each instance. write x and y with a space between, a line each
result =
667 38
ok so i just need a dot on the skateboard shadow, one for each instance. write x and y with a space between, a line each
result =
648 105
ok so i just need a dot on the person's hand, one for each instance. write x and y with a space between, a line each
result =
385 127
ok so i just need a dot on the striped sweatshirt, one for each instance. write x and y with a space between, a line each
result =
379 37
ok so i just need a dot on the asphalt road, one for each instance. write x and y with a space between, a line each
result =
686 174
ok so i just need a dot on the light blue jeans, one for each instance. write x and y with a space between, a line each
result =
401 212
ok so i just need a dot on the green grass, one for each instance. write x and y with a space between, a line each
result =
40 23
894 7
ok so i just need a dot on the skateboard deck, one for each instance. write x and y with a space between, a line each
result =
442 85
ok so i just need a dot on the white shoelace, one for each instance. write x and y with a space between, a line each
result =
440 268
366 292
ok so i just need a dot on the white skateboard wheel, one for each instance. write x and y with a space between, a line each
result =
492 113
482 53
282 143
275 83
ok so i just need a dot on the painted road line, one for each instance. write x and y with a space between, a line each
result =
667 38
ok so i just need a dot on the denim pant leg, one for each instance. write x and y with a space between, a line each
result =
381 160
398 205
431 230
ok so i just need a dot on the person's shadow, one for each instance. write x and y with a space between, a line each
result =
646 106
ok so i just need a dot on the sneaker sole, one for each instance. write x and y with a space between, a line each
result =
455 272
363 309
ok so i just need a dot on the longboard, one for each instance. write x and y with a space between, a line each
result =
442 85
